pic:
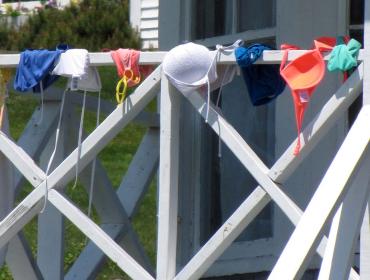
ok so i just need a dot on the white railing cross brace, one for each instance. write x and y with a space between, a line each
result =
280 171
95 142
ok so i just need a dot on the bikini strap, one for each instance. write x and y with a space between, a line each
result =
286 48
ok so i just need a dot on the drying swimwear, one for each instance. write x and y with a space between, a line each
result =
264 82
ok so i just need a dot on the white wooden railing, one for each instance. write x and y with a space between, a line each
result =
342 193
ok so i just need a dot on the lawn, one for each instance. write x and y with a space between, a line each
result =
115 158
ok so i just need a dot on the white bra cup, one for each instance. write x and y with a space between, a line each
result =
188 66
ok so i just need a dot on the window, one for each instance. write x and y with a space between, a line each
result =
231 19
247 19
208 18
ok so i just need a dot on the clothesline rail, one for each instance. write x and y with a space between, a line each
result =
153 58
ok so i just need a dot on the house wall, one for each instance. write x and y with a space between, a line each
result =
144 18
297 22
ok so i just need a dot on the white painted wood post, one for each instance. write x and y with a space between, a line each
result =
366 88
336 105
365 229
225 235
36 135
305 238
111 213
365 246
94 143
327 117
168 181
133 187
345 227
99 237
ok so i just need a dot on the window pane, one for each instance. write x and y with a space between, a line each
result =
208 18
254 14
357 12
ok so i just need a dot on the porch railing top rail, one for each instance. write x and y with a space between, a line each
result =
150 58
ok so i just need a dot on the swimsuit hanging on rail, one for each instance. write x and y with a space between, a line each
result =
264 82
302 75
34 69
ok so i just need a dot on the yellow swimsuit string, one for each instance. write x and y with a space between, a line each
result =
122 85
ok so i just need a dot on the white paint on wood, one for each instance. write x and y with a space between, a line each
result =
143 118
91 259
135 14
365 246
150 44
168 181
335 108
36 135
308 233
113 218
152 58
225 235
366 89
99 237
345 228
242 151
149 4
18 218
20 159
149 34
149 14
245 154
90 147
152 23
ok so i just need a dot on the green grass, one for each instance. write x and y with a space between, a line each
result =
115 158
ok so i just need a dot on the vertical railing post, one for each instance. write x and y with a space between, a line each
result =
365 246
366 91
345 227
168 181
365 229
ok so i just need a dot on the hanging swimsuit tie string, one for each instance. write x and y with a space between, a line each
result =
92 178
55 148
219 49
226 49
299 118
79 145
